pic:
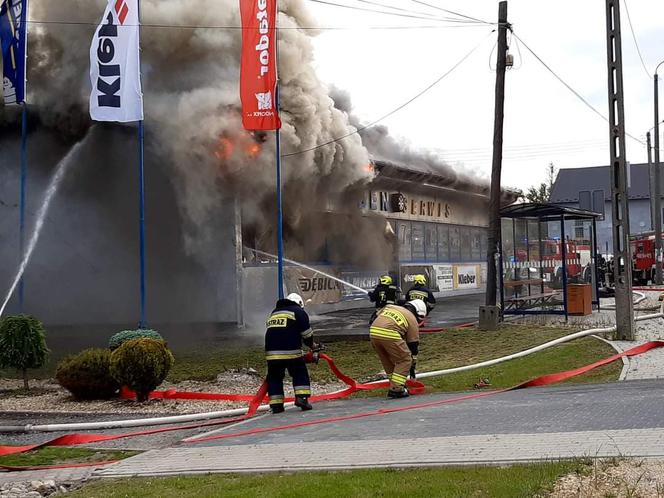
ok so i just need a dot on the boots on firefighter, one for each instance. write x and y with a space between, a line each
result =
303 403
277 408
395 394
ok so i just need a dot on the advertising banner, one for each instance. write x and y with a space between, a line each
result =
444 277
466 276
115 71
408 275
314 288
366 280
258 69
13 40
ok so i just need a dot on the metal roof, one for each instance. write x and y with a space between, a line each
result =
546 212
571 181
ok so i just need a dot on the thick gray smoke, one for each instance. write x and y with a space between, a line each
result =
190 79
384 146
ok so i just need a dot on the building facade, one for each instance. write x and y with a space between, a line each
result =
590 189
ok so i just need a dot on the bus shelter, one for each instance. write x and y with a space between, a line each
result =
548 260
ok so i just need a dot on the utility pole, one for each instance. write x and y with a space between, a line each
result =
489 314
651 182
619 192
658 190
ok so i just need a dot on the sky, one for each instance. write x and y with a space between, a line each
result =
544 122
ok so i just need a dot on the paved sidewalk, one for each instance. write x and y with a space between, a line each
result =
419 452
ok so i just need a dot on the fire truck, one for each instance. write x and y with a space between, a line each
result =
577 258
643 257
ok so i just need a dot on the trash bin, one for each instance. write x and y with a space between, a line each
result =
579 299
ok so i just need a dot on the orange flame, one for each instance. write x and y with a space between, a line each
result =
226 147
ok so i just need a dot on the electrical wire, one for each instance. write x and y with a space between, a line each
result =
303 28
577 94
365 9
377 4
394 111
636 43
451 12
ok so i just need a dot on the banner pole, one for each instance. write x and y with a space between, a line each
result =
141 196
23 197
280 238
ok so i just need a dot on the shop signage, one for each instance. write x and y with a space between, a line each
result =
466 277
409 205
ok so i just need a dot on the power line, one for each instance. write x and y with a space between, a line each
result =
304 28
638 49
425 90
577 94
377 4
451 12
365 9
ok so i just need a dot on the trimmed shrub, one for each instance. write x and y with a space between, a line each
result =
87 375
141 365
118 339
22 344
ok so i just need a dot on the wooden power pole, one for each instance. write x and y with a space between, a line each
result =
489 314
619 194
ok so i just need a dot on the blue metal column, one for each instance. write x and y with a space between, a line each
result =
22 200
141 197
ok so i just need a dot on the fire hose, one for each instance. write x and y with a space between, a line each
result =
353 386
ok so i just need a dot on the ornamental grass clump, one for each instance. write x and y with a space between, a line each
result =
141 365
118 339
22 344
87 375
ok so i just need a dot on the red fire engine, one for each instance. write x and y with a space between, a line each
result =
552 258
643 257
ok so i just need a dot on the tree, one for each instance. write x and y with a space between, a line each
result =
22 344
542 193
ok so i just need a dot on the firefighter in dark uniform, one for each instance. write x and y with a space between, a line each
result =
421 291
383 294
287 328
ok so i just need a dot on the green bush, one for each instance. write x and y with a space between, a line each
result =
141 365
22 344
87 375
127 335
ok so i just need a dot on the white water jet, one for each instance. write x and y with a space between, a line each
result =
302 265
60 171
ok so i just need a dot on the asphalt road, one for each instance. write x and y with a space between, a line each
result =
625 405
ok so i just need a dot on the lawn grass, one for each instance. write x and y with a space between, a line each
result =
62 455
453 348
477 481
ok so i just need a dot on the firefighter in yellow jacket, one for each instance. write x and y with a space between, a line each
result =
395 335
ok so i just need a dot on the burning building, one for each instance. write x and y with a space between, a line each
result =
210 196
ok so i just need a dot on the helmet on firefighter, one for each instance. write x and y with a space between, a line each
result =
419 307
386 280
296 298
420 279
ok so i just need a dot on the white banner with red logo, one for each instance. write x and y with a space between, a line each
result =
115 68
258 69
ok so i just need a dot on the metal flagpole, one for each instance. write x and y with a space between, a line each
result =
23 195
141 197
24 154
280 239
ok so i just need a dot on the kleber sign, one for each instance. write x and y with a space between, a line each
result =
466 277
258 70
115 65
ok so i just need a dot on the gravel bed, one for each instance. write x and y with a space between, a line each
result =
623 478
36 488
48 397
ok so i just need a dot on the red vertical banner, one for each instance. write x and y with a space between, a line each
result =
258 70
